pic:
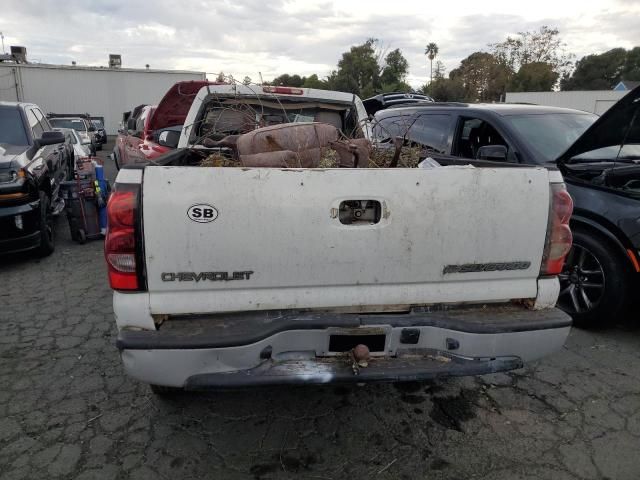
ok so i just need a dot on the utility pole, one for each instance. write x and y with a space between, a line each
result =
2 36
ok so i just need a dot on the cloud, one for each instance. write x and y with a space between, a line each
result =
296 36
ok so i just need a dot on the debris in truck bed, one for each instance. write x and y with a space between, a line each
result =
410 156
306 145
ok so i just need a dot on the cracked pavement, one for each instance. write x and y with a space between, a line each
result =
68 411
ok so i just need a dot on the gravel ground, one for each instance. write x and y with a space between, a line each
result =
68 411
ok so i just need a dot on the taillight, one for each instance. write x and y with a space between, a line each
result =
120 242
283 90
559 238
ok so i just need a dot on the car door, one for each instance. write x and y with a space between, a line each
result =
481 138
55 155
41 164
134 140
432 131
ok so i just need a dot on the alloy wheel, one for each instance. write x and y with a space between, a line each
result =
582 281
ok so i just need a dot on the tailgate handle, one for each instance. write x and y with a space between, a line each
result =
358 212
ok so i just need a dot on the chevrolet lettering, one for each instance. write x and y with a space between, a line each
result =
212 276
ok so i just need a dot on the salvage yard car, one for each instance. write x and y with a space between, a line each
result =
600 161
101 132
139 139
227 277
33 162
230 109
81 123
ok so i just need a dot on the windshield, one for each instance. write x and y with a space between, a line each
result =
12 130
549 135
76 124
97 123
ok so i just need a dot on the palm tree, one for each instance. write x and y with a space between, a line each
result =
431 51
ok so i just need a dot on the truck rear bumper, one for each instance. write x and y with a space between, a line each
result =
282 348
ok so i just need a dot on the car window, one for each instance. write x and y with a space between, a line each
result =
34 124
387 128
75 123
12 131
549 135
141 120
476 133
42 119
431 131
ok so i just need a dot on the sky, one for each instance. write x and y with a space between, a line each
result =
271 37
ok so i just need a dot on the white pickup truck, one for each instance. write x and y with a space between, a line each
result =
227 277
224 109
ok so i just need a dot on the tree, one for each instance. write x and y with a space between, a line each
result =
431 51
395 72
367 69
445 90
534 77
631 69
312 81
286 80
483 76
358 70
604 71
220 78
246 81
538 46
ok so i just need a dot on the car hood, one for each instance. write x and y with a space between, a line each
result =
610 129
10 155
174 106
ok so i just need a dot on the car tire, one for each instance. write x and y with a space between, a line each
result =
594 283
47 246
162 391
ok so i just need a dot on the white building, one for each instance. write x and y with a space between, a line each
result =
99 91
594 101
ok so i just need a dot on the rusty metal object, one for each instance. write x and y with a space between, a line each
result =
294 145
361 355
297 137
352 153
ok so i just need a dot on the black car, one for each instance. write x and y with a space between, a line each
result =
392 99
33 161
600 161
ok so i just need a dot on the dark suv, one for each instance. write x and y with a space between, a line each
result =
33 162
599 158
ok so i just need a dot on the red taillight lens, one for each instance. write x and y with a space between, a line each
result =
559 236
120 242
283 90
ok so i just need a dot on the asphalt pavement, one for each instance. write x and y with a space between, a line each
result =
68 411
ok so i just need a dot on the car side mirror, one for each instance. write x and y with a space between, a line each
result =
492 152
50 138
169 138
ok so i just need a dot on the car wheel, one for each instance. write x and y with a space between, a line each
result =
46 227
162 391
594 281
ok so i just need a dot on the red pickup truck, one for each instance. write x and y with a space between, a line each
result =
138 139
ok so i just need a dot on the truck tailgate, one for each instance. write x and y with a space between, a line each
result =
276 240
